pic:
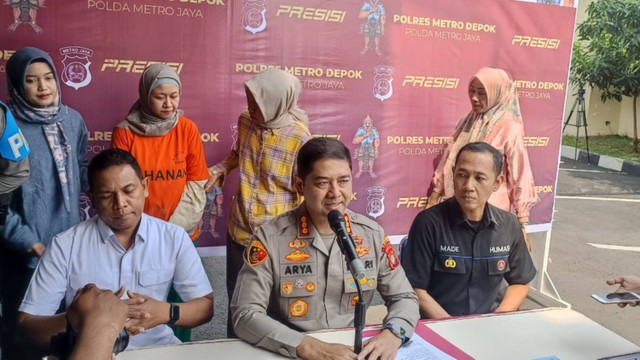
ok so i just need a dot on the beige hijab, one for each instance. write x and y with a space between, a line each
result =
502 100
276 94
141 120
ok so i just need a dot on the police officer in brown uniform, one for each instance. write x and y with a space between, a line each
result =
296 279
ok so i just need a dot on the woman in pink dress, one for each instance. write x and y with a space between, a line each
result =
495 119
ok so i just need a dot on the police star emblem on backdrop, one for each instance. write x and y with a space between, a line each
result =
383 82
375 201
253 18
76 73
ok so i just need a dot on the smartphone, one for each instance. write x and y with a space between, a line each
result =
617 298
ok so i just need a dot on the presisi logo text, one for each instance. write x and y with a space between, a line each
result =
430 82
412 202
135 66
534 41
308 13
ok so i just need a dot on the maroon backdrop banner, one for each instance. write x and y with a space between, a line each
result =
413 86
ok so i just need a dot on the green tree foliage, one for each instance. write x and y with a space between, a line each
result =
607 55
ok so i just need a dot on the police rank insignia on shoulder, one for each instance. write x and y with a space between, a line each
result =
303 225
347 223
387 248
256 253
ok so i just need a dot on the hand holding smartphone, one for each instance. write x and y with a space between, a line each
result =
617 297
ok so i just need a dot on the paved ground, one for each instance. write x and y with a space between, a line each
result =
594 205
602 207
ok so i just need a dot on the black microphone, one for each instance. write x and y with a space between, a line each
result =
336 221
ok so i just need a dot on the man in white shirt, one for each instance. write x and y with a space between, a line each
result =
120 247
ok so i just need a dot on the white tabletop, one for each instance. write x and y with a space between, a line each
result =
533 334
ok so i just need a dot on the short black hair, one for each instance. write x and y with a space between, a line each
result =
112 157
320 148
483 147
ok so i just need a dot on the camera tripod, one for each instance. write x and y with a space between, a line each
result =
580 121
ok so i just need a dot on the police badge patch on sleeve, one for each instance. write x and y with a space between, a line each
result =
387 248
256 253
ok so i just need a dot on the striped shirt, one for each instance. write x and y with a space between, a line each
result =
266 159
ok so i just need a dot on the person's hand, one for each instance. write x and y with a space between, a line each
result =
311 348
433 199
627 283
215 175
383 346
36 250
93 308
376 153
145 312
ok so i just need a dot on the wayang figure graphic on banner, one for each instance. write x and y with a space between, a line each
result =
369 139
25 12
373 28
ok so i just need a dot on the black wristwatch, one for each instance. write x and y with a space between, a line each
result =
398 331
174 314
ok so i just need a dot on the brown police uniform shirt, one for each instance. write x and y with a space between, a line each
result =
291 282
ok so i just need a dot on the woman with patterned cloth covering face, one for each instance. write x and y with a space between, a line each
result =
48 202
494 118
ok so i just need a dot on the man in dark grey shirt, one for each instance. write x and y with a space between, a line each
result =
459 251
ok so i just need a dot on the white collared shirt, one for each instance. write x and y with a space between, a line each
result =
162 255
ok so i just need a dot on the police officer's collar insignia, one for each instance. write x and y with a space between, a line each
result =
501 265
297 254
347 223
287 288
361 250
387 248
450 263
256 253
298 308
303 226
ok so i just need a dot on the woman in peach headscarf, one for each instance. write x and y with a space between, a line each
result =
495 119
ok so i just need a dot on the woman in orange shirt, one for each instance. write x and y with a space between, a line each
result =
494 118
168 147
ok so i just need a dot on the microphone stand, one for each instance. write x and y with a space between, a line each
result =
359 318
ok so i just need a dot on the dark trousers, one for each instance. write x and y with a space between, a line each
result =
235 261
14 279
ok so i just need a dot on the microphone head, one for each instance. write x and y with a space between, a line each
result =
335 217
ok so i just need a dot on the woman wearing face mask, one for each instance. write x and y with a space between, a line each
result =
168 147
48 202
494 118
